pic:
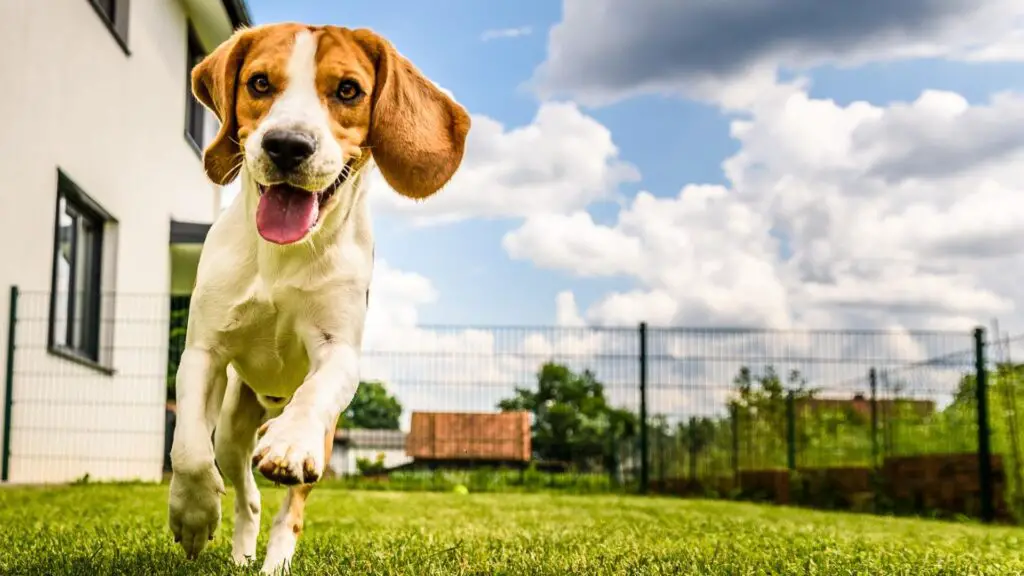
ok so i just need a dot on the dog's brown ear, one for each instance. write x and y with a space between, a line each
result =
215 84
417 133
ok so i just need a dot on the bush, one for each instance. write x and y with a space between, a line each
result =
369 467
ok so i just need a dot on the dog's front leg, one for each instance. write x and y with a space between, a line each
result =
295 446
291 447
196 485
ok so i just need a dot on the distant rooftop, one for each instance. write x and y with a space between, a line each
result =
374 439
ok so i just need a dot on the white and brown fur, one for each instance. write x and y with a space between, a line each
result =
274 334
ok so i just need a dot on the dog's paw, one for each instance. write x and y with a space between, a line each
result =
194 508
291 450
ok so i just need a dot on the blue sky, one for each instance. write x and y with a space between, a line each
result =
673 139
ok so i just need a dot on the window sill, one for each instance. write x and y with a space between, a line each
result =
72 356
122 42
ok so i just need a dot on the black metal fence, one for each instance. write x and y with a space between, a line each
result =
917 422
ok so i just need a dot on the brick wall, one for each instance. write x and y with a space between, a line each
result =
946 483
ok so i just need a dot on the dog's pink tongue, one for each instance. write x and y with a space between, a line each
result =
285 214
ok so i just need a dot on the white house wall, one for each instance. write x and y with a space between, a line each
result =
115 125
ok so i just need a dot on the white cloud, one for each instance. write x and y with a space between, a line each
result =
567 313
562 161
504 33
870 226
703 258
874 235
940 134
395 299
558 241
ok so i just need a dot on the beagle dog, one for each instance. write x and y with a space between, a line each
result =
276 318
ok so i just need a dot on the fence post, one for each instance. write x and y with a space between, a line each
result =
12 331
735 410
790 430
662 475
644 456
873 380
693 449
984 433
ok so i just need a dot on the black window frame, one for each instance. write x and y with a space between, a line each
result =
70 197
115 15
195 113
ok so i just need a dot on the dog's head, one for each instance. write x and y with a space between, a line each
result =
303 107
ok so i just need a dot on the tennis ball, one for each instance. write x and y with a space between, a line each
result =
460 489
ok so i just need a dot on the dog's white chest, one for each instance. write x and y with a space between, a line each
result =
266 345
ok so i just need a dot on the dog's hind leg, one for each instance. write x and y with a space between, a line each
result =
234 442
284 533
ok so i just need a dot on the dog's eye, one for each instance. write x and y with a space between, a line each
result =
259 84
348 91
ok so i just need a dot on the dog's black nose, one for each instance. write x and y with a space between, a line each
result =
288 148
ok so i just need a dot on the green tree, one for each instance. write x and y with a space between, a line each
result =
1005 410
760 407
695 438
372 409
573 421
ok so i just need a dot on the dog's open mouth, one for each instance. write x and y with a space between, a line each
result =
287 213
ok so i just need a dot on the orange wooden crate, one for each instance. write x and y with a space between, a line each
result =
502 436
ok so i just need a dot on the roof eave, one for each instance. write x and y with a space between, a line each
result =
188 232
238 13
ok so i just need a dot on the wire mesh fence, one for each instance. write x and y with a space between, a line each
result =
1004 394
814 417
878 421
85 392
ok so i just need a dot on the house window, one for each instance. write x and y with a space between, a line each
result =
114 14
76 296
195 113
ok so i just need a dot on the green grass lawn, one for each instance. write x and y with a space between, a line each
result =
121 529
